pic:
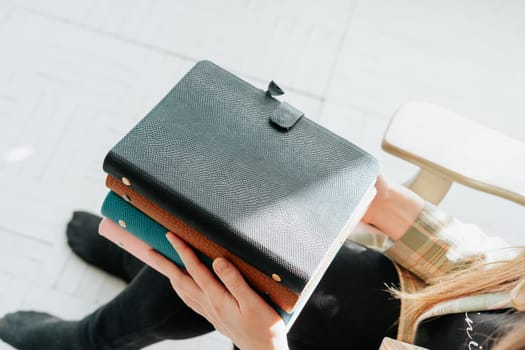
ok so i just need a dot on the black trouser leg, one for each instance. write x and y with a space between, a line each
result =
146 312
350 308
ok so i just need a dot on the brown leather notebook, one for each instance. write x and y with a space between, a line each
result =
276 292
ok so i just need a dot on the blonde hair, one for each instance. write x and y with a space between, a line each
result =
478 278
514 340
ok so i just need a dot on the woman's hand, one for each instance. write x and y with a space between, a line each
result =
232 307
394 208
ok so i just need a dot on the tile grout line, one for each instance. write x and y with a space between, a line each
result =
323 98
157 49
108 34
26 236
339 48
364 110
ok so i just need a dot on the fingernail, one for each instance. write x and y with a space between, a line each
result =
220 265
169 237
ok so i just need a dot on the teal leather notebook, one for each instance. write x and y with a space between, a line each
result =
153 234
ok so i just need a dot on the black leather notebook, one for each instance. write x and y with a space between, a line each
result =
250 172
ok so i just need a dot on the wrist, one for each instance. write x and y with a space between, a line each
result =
395 210
275 340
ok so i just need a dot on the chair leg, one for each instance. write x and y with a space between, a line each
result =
430 186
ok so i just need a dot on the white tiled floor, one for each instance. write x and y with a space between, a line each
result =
76 75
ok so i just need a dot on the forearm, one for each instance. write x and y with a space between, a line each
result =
427 241
393 209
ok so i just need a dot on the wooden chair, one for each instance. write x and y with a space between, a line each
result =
450 148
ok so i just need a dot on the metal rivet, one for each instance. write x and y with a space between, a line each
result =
126 198
122 223
276 277
126 181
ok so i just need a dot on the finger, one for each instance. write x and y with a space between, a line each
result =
198 271
183 285
162 264
190 301
234 282
181 282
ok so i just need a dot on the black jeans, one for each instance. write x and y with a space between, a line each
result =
350 308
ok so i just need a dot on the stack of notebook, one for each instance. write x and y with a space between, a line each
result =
237 173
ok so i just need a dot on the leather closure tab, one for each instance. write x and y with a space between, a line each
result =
286 116
274 89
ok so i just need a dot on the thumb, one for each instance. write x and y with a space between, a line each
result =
233 280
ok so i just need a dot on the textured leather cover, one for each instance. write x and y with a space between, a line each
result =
148 233
130 243
278 293
140 225
280 200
